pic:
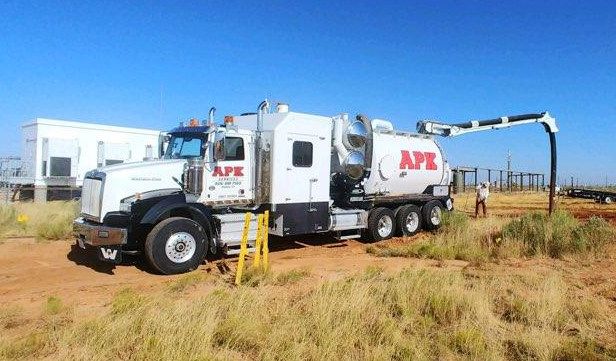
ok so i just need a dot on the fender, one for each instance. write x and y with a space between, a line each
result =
200 213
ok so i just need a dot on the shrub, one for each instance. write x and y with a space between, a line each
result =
533 234
558 234
595 234
454 222
53 306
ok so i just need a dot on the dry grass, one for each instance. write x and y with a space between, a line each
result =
484 239
413 314
516 203
45 221
488 313
258 276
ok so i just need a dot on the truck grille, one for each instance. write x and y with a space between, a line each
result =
91 197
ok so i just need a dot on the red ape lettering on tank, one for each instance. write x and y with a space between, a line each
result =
419 160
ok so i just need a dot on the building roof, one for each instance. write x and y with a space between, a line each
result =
91 126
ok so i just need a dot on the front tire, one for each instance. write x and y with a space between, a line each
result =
408 220
176 245
432 213
381 224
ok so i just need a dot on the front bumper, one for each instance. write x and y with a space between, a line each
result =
96 234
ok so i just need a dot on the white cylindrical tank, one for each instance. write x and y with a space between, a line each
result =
405 163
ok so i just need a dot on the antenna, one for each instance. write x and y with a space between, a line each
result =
160 110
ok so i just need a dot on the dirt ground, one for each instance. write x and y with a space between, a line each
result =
32 271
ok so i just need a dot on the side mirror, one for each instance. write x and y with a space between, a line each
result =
163 142
219 150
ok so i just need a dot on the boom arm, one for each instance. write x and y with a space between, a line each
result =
452 130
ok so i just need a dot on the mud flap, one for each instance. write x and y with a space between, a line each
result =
111 254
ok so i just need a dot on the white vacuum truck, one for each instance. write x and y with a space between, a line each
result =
315 174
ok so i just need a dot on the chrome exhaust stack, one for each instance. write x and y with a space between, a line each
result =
259 154
210 116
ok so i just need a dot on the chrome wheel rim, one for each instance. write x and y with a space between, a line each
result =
608 200
180 247
412 222
435 216
385 226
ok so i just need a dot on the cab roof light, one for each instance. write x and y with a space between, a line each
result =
193 122
229 119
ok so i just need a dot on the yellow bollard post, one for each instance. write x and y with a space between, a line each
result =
265 234
243 250
256 262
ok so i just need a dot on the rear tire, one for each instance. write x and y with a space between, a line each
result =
408 220
381 224
176 245
432 215
608 200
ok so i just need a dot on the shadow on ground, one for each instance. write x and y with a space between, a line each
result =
89 257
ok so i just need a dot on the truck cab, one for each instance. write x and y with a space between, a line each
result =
122 203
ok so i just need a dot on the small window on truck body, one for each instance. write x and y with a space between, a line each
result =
302 154
234 148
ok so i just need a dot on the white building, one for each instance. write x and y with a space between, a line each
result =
59 153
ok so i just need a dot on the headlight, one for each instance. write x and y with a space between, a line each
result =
127 203
125 206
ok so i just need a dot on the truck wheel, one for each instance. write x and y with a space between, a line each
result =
608 200
432 215
381 224
175 245
408 220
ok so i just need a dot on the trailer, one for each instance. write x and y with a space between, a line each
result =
598 196
57 154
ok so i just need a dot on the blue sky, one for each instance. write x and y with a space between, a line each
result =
113 62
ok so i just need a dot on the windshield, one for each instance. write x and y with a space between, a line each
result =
185 146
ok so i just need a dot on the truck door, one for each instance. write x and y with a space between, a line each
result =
229 180
306 202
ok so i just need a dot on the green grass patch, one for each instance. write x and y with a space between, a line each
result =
187 280
53 306
291 276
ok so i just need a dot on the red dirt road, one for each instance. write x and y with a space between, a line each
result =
31 272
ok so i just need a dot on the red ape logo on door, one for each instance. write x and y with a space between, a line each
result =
418 158
228 171
228 182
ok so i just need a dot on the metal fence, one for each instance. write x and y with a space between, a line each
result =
499 179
